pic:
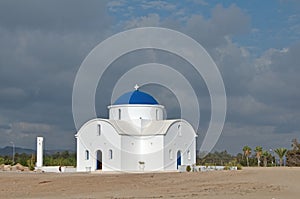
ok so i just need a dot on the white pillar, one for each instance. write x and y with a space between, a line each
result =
39 151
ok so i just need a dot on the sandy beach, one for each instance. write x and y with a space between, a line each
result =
269 183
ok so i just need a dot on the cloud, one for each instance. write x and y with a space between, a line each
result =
260 89
159 5
231 20
54 15
24 134
115 6
252 135
43 45
8 94
200 2
143 21
277 77
224 22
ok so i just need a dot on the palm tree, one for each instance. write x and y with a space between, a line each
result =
281 153
266 154
247 152
258 152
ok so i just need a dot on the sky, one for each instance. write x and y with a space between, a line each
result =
255 44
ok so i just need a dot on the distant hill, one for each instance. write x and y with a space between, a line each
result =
8 150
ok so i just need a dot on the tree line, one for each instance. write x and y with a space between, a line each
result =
64 158
254 157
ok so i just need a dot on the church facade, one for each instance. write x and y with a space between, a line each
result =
135 137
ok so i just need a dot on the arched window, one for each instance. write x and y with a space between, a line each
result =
171 154
110 154
119 112
99 129
87 154
179 130
189 155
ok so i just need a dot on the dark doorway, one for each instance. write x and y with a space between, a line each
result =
99 160
178 159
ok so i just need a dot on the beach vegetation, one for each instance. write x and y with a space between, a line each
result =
293 155
247 153
188 168
64 158
281 153
258 152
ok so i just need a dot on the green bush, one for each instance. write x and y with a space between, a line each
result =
239 167
2 161
30 163
188 168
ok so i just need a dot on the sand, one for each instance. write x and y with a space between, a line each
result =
258 183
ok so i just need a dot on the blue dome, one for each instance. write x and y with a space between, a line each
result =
136 97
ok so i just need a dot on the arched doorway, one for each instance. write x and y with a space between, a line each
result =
99 160
179 156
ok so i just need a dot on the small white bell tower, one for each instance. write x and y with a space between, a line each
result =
39 151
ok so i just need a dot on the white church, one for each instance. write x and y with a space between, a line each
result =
136 137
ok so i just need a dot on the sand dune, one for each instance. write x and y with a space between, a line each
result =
256 183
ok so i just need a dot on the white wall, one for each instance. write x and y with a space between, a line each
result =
137 111
88 139
184 142
147 149
128 151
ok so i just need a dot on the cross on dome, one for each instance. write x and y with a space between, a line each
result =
136 87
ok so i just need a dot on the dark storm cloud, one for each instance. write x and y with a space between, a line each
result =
52 15
278 78
44 42
42 46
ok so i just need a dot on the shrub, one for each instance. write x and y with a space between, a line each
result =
30 164
188 168
2 161
239 167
